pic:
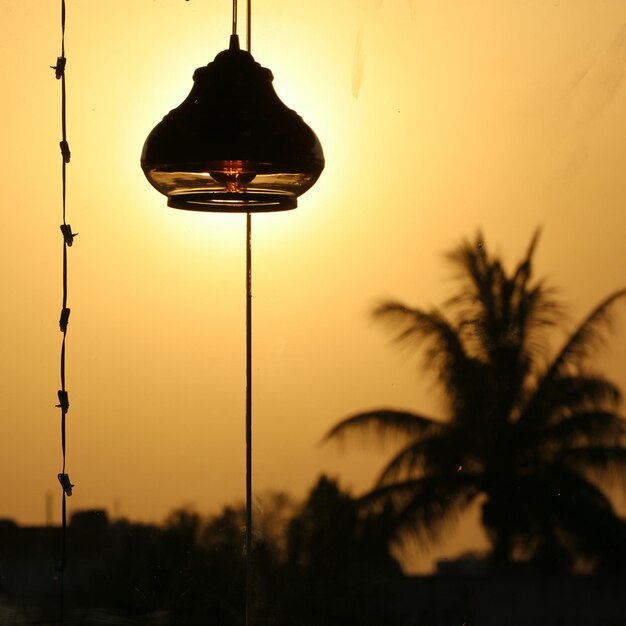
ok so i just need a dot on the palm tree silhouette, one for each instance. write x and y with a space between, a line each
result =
526 436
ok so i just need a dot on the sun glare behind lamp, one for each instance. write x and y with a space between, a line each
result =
232 145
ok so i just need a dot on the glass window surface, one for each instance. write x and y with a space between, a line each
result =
453 282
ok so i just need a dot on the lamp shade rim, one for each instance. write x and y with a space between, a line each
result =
233 202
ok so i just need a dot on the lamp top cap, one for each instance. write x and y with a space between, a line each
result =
234 61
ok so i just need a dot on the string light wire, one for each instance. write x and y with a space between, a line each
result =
68 240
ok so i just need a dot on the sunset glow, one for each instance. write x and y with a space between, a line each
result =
437 118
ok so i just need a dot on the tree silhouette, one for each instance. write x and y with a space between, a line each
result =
527 436
338 568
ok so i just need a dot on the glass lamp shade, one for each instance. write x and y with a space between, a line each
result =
232 145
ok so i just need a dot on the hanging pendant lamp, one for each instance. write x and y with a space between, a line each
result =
232 145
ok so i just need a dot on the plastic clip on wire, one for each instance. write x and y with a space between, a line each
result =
59 68
64 401
68 235
64 319
65 151
66 485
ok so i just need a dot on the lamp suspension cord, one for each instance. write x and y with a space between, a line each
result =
248 547
249 27
68 239
248 521
248 23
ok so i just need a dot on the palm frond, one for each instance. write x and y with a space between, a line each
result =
383 425
443 347
417 325
478 275
443 451
588 335
562 492
558 397
424 507
544 309
507 315
409 462
586 427
564 507
602 463
542 313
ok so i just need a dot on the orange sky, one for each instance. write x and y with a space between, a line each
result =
436 116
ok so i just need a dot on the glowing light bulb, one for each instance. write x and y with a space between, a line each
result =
234 175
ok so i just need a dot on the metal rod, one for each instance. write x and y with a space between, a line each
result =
249 571
234 17
249 28
249 555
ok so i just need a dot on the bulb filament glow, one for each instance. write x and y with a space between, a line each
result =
234 174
